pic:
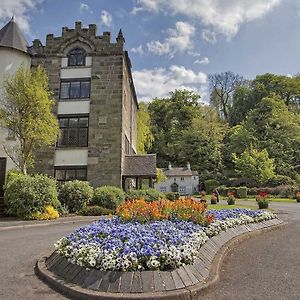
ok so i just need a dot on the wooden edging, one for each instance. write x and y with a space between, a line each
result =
194 279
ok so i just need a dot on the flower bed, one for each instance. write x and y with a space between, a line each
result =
113 244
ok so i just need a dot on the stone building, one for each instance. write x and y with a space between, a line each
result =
90 77
181 180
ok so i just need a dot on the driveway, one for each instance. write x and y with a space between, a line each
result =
264 267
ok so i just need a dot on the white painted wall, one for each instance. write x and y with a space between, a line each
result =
190 183
64 62
73 107
10 61
71 157
70 73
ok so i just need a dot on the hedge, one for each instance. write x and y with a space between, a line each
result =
210 185
108 197
146 194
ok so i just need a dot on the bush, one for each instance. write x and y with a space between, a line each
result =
148 195
279 180
210 185
284 191
96 211
108 196
231 201
49 213
172 196
241 192
27 195
75 195
12 174
242 181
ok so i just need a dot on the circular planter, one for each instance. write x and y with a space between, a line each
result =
213 201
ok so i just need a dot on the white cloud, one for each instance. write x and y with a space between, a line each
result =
209 36
19 9
84 8
158 82
203 61
224 16
179 40
106 18
138 49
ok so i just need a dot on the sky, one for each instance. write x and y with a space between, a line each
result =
176 44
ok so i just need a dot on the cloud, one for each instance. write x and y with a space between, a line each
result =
223 16
158 82
19 9
106 18
84 8
209 36
138 49
203 61
179 40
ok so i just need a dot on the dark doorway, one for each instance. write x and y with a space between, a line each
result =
174 187
2 175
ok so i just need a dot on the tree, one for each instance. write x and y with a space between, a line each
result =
26 111
222 87
170 116
254 164
145 137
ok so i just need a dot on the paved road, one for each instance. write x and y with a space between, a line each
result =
265 267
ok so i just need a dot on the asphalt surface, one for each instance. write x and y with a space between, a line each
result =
264 267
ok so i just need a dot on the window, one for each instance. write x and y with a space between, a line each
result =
73 131
70 173
76 57
75 89
182 178
163 189
182 189
127 145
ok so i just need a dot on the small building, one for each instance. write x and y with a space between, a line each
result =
181 180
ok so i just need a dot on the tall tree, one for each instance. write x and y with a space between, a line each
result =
26 111
170 116
144 135
222 86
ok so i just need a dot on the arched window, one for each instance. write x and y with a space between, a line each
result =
76 57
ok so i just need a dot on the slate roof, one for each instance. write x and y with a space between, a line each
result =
140 165
179 172
11 36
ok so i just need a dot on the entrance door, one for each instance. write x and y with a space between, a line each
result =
2 176
174 187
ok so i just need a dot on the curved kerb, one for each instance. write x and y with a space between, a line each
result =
187 282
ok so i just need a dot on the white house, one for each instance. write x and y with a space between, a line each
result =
182 180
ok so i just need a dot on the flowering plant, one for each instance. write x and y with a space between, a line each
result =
231 198
262 200
298 196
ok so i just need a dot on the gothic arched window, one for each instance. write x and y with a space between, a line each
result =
76 57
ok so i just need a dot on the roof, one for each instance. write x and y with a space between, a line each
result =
140 165
180 172
11 36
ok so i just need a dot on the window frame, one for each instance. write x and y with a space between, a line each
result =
83 55
78 127
80 80
68 168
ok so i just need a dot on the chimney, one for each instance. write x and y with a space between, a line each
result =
188 166
170 166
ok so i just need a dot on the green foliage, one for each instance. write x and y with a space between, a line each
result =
145 137
211 184
280 180
172 196
12 174
161 177
27 195
26 110
108 197
241 192
231 201
96 211
254 164
263 203
284 191
75 195
148 195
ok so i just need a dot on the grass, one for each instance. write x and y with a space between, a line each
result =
222 206
271 199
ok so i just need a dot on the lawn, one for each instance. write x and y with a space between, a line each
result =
221 206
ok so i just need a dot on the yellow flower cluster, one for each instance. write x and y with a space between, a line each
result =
49 213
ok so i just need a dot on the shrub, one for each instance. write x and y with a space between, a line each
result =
148 195
210 185
26 195
49 213
242 181
280 180
96 210
75 195
172 196
241 192
12 174
108 196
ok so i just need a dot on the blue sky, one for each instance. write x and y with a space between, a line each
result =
177 43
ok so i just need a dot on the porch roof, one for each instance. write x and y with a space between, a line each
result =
140 165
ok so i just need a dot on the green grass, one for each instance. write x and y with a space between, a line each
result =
221 206
271 199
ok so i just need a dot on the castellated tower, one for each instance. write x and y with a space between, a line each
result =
13 54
